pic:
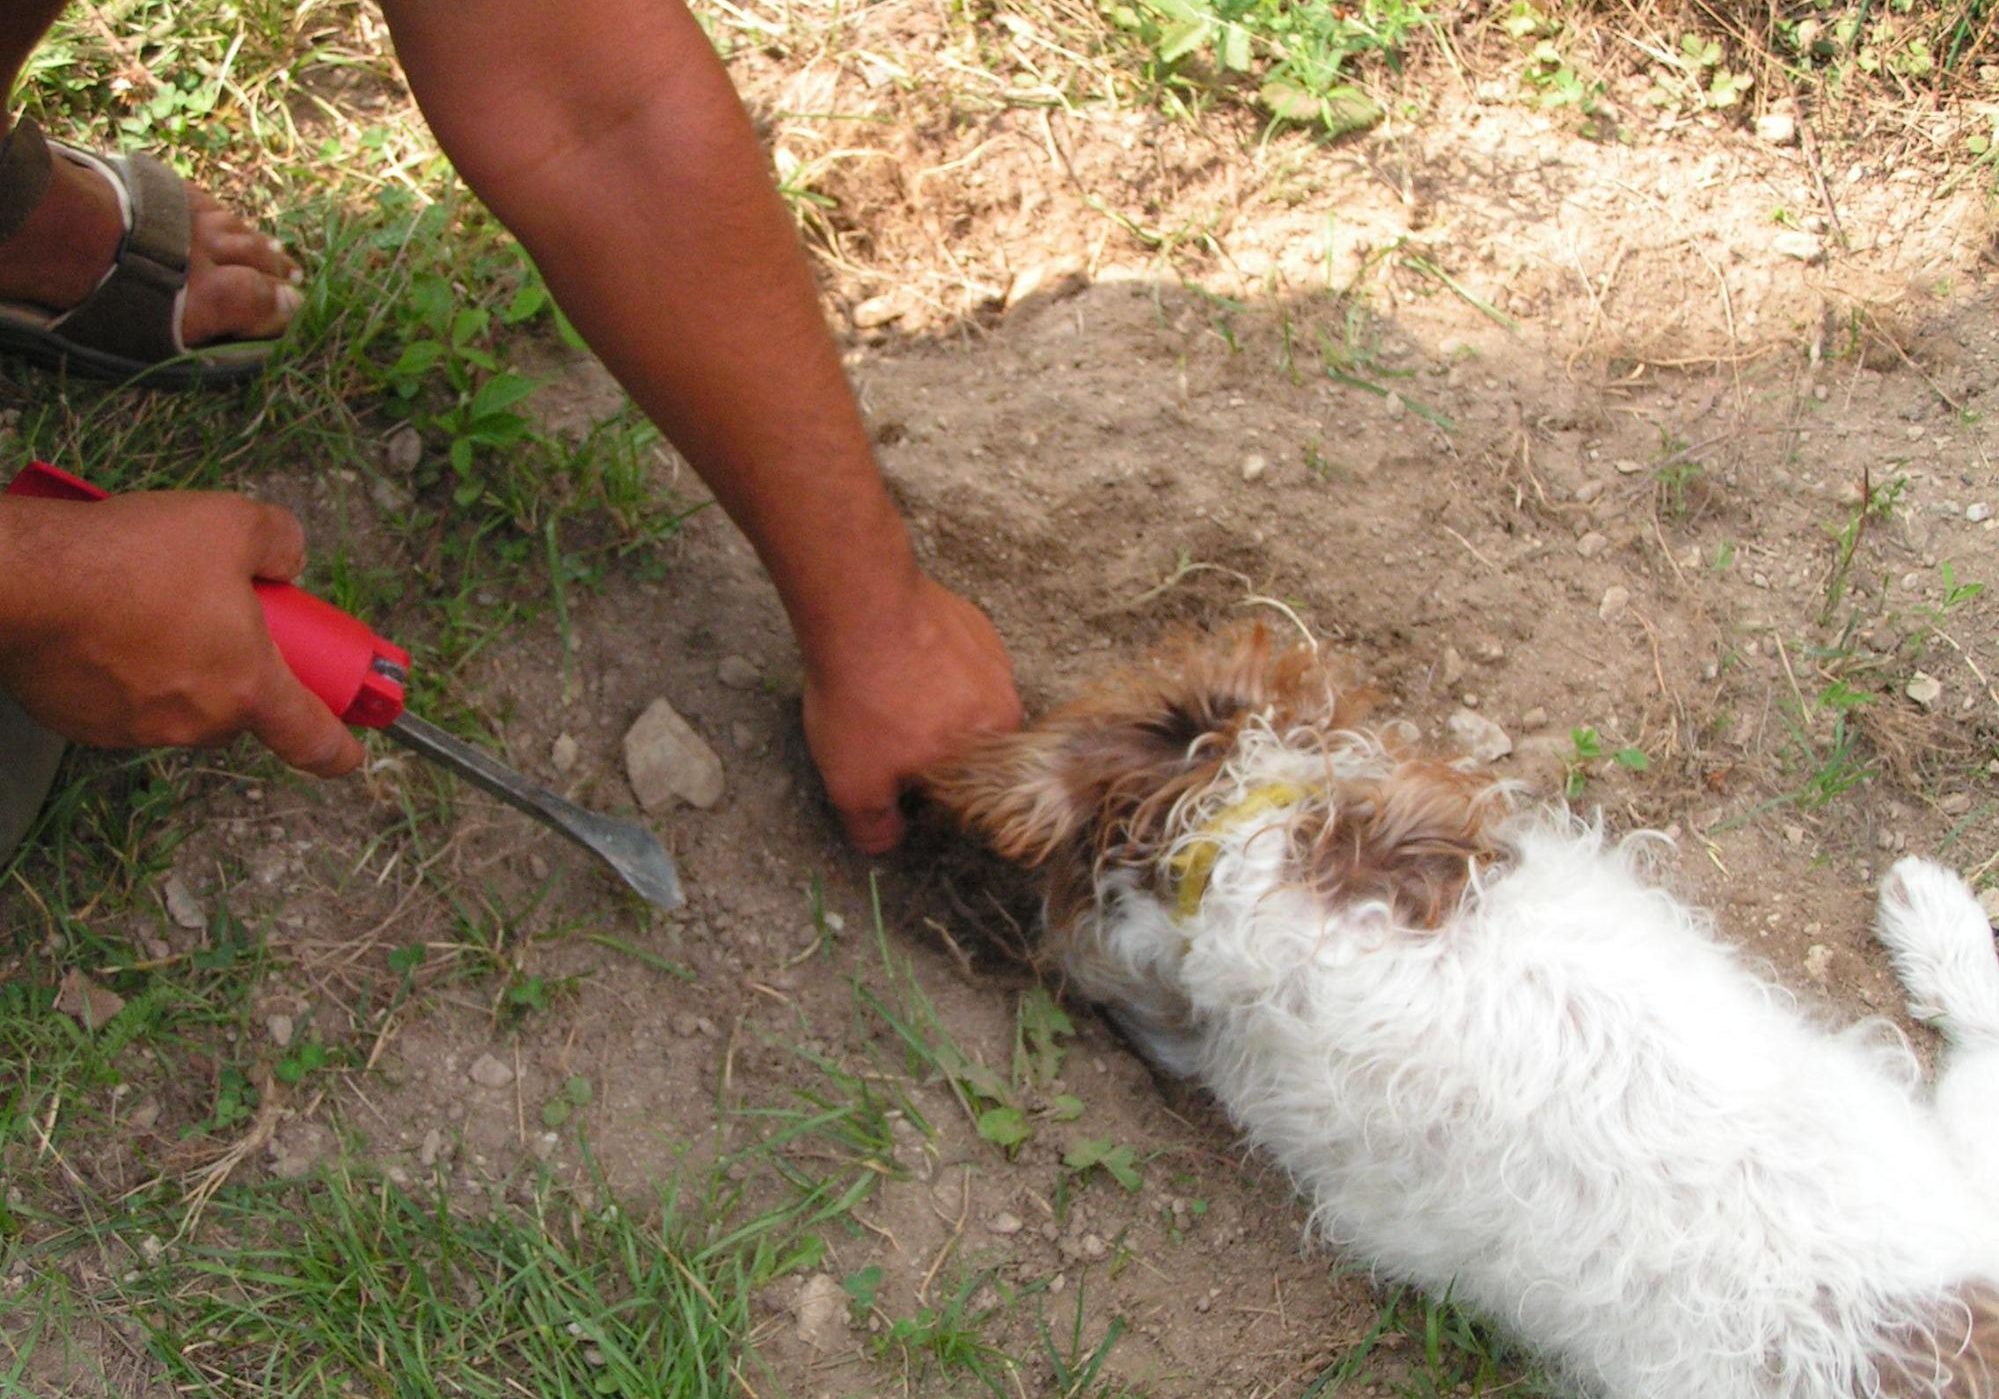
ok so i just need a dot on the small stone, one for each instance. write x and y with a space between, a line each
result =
1818 962
1469 699
820 1311
1092 1247
1452 668
739 673
1394 407
1923 688
538 865
297 1148
145 1115
1956 804
403 450
432 1148
490 1072
1777 128
1978 513
875 312
1884 840
1794 834
1589 491
85 1002
1796 243
1478 737
687 1025
1535 718
1615 599
1591 544
1821 393
743 737
1253 466
280 1029
1004 1223
182 906
1627 467
666 761
562 754
1914 432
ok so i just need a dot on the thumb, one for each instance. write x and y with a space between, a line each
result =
296 725
875 830
275 542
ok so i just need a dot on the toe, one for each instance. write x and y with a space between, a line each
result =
249 248
234 302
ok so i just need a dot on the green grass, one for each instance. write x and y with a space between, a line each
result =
354 1285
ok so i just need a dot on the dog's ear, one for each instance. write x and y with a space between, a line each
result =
1410 840
1012 790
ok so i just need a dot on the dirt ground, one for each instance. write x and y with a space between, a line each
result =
1621 426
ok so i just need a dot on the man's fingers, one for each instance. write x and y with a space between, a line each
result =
874 830
296 726
276 542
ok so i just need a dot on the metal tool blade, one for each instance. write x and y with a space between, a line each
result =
627 847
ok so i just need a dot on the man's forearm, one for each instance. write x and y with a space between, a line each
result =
608 138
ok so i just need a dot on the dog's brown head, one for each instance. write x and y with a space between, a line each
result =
1101 780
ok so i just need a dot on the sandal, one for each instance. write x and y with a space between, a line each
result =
128 329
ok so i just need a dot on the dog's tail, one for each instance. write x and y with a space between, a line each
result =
1941 945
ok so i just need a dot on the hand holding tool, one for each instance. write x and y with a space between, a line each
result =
360 677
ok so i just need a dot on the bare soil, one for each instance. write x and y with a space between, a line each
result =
1618 436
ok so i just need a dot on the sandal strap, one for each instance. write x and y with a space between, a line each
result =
24 175
135 311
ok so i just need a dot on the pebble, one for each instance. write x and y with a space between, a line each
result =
1004 1223
1794 835
739 673
1924 689
490 1072
1615 599
404 449
742 736
820 1311
1452 666
1821 393
1978 513
432 1148
1956 804
1818 962
1588 491
1914 432
562 753
1394 407
1777 128
1591 544
875 312
1253 466
1796 243
687 1025
182 906
145 1115
666 761
1478 737
1627 467
1535 718
297 1148
280 1028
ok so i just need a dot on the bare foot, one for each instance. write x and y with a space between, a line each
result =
240 283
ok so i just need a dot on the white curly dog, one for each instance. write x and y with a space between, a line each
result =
1499 1061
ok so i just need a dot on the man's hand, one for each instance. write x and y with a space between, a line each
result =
132 622
904 694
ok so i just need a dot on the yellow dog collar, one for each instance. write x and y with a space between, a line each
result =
1195 861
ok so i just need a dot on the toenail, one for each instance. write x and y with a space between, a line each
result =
276 246
296 277
289 300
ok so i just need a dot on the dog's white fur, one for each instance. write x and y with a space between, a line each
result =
1568 1105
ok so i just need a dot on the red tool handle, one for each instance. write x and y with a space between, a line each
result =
358 674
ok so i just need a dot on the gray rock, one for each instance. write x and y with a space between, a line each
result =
562 754
1796 243
403 450
820 1311
1778 128
1615 600
490 1072
281 1030
1924 689
182 906
1478 737
1978 512
666 761
739 673
1004 1223
1254 465
1535 718
1591 544
1453 666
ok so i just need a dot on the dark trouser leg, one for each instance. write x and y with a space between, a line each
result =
28 757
